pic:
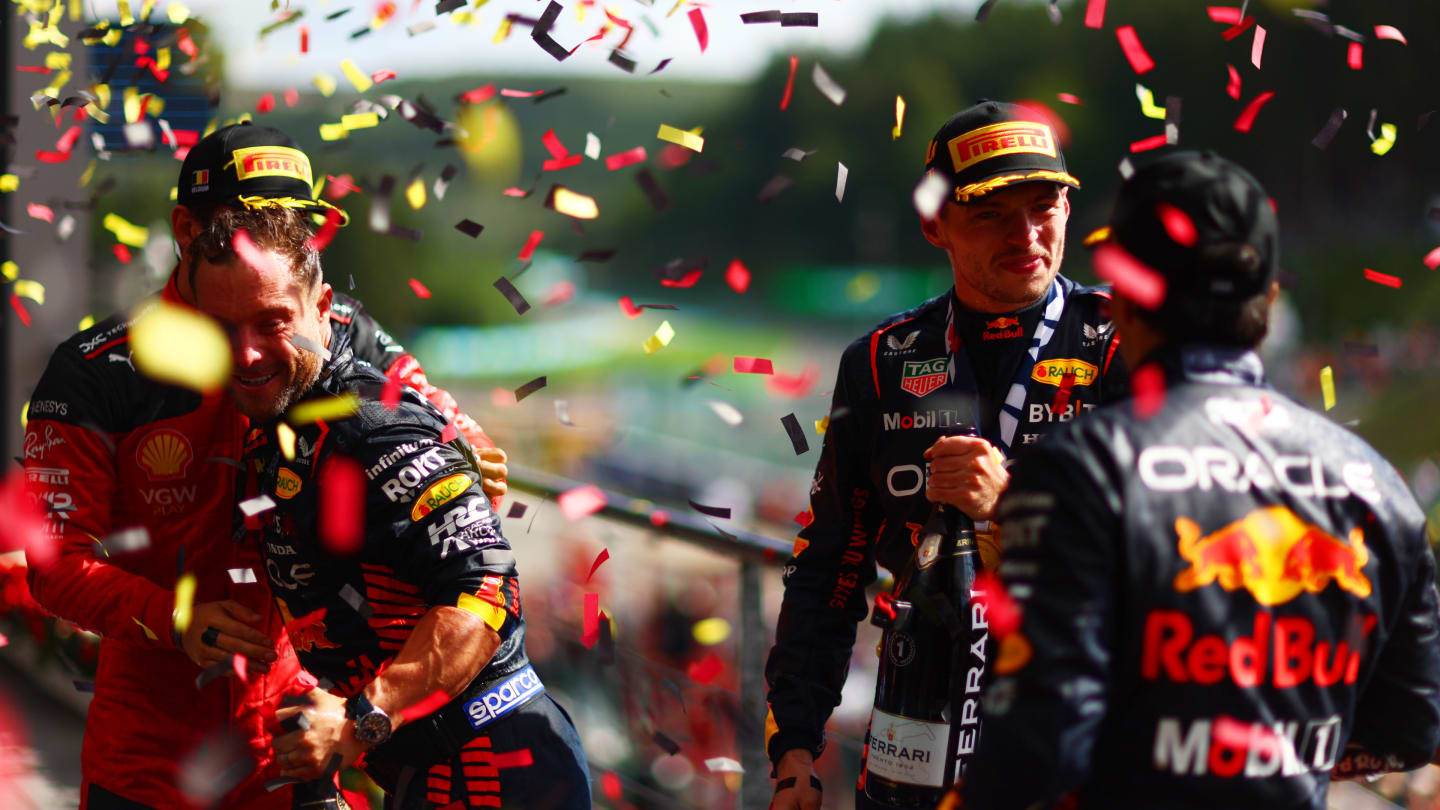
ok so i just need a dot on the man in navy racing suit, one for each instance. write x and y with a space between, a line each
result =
1013 349
1225 596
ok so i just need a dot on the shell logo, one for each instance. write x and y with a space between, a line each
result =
164 454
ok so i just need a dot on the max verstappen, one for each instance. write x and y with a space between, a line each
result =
1013 348
109 449
418 600
1226 597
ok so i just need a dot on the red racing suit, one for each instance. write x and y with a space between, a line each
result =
109 450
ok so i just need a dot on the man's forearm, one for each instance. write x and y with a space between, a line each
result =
446 651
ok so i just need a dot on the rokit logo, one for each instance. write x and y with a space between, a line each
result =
412 475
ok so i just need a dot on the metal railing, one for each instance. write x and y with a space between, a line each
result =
752 551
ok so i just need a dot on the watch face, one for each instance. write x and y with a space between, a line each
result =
373 728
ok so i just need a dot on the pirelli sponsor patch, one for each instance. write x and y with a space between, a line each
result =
1053 372
995 140
271 161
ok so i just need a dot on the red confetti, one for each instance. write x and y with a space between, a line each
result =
1390 32
340 186
390 394
1095 14
1384 279
628 307
684 282
449 433
599 560
1432 259
292 96
559 293
705 670
39 211
47 156
265 104
1147 389
753 365
1233 88
659 518
1146 144
1131 278
382 76
1062 394
478 95
794 386
885 603
1140 61
553 145
342 505
610 785
1001 612
321 239
1177 223
556 164
185 43
790 82
1257 48
426 707
805 518
421 291
237 662
251 254
1355 56
627 158
581 501
24 525
737 276
1247 117
697 20
590 631
521 758
3 640
515 192
1238 29
67 141
33 69
122 253
530 245
304 39
1069 98
507 93
1224 14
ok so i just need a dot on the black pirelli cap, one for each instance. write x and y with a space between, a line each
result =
995 144
252 166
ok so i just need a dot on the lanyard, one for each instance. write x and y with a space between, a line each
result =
962 375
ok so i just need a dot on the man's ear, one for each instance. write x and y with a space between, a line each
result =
931 229
327 297
184 226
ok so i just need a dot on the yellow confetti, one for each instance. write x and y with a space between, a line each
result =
126 233
359 120
899 117
85 175
680 137
132 104
10 270
1386 140
177 13
174 194
1097 235
503 31
711 631
360 80
1327 386
57 60
863 287
147 9
464 17
9 182
674 8
573 204
162 59
29 288
154 106
324 84
102 92
53 88
184 601
75 10
660 339
333 132
1147 103
150 634
178 345
822 425
329 409
112 37
24 416
286 436
86 322
415 193
126 18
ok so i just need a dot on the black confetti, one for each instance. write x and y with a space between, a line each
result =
357 602
722 512
752 17
517 510
547 95
773 189
84 686
661 66
671 747
657 196
529 388
448 5
541 32
805 19
622 61
335 15
797 436
596 255
1327 133
512 295
469 227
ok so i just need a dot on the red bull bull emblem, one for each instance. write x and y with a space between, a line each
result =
1274 555
1002 328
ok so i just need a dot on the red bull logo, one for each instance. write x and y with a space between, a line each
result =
1002 323
304 636
1002 328
1274 555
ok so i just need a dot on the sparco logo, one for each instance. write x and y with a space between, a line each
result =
500 700
896 420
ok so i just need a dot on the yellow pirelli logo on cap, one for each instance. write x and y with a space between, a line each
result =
1009 138
271 161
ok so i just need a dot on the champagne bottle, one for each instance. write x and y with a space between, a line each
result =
916 742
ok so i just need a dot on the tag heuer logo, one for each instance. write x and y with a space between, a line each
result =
921 377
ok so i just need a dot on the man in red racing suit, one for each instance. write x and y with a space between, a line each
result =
139 478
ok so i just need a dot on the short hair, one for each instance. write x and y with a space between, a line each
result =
283 230
1196 319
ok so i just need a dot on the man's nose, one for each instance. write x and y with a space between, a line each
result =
1022 229
245 350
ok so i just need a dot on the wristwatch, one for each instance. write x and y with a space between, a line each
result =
372 724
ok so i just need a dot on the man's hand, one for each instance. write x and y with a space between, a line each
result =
232 620
966 472
796 764
305 753
492 471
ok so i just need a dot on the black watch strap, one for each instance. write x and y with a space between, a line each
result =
789 782
357 706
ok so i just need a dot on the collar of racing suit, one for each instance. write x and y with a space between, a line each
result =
1209 362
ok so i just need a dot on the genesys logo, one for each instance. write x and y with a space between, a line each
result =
287 484
1225 747
1054 372
922 377
900 420
440 493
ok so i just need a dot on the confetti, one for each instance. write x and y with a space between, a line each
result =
899 117
702 33
512 295
592 146
41 212
797 435
285 435
356 76
1069 98
1131 278
1258 46
590 629
1383 279
516 510
469 227
1177 223
705 670
753 365
1232 89
789 82
559 293
806 19
254 506
680 137
342 505
1002 614
1355 56
728 413
1239 28
670 747
828 87
1140 61
1386 140
685 282
420 290
184 601
529 388
322 238
356 602
711 631
1247 116
31 289
1327 133
1095 14
723 765
659 200
737 276
1147 388
521 758
842 176
599 560
127 541
242 576
628 307
531 242
572 204
1432 259
306 344
329 409
662 337
722 512
1327 386
126 233
1390 32
176 344
426 707
237 663
930 194
794 386
1147 102
627 158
